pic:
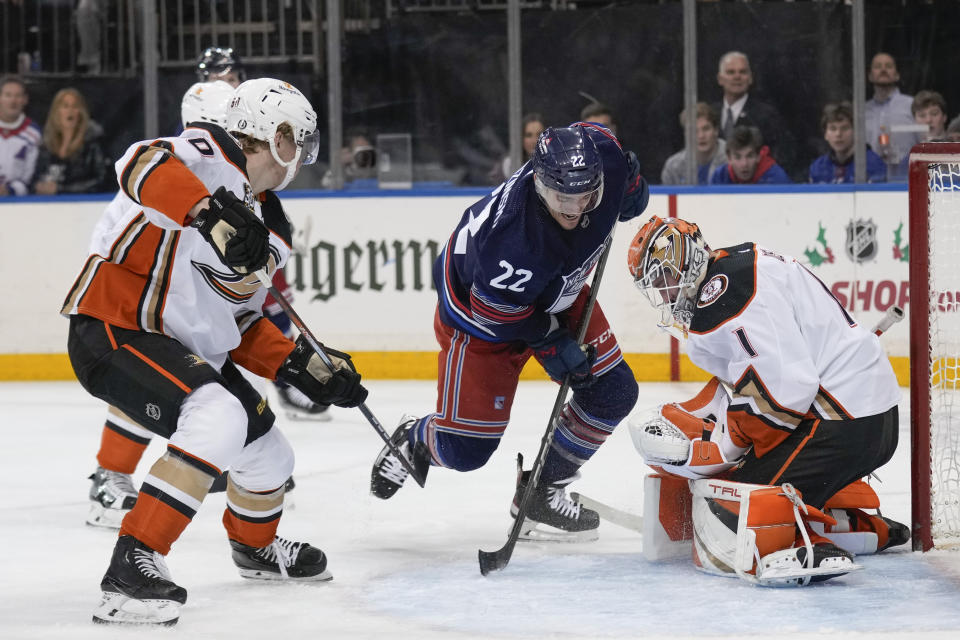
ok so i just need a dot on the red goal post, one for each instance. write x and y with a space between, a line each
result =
935 344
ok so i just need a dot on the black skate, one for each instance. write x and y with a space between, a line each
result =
297 406
388 473
281 560
137 588
112 495
551 515
897 534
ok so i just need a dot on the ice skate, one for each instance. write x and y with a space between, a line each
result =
788 567
388 473
297 406
897 533
551 515
281 560
137 588
112 495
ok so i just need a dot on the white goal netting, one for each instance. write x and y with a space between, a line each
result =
944 348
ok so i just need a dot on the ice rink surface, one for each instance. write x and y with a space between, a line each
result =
407 567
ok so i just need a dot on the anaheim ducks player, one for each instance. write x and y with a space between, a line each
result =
165 307
802 397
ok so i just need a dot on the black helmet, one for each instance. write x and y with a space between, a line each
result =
215 62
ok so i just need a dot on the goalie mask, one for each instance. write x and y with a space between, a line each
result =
668 261
260 106
568 171
206 102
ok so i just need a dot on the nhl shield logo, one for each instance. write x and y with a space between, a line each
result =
861 242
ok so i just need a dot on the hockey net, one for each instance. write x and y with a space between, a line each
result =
935 344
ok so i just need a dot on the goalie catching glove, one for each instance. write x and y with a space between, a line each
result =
237 235
304 370
683 444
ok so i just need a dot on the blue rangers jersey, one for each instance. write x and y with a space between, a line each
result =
508 267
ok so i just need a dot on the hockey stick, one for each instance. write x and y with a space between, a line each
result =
418 474
893 315
497 560
619 517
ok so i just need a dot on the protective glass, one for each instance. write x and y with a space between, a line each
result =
310 147
571 204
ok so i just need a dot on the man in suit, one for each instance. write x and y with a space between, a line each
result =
738 107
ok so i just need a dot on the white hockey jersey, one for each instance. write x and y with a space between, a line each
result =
771 330
148 272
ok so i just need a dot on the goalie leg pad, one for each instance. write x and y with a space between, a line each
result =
750 531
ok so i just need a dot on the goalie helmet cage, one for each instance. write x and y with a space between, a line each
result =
935 344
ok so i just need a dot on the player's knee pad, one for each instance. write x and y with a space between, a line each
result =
265 463
612 396
749 531
464 453
212 426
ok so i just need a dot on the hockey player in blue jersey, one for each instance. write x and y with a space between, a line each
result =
511 283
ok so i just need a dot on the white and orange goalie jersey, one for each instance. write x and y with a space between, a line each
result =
148 270
768 328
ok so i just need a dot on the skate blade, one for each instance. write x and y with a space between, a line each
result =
116 608
101 516
534 531
256 574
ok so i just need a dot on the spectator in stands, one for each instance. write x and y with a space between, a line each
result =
711 150
930 108
748 161
887 108
532 128
359 159
836 166
738 107
953 130
601 114
71 159
19 138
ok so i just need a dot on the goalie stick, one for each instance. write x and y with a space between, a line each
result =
418 473
497 560
619 517
893 315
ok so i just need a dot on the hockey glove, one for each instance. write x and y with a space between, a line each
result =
304 370
637 194
560 355
237 235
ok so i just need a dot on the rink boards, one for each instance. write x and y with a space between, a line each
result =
362 268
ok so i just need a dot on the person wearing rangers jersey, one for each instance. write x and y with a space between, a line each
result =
165 309
511 283
801 394
20 138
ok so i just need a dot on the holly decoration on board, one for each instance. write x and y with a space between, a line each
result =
901 251
814 256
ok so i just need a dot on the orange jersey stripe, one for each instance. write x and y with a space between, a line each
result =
262 350
166 374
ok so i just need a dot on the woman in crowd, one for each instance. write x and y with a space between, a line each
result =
71 159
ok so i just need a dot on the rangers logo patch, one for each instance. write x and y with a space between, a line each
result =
712 290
